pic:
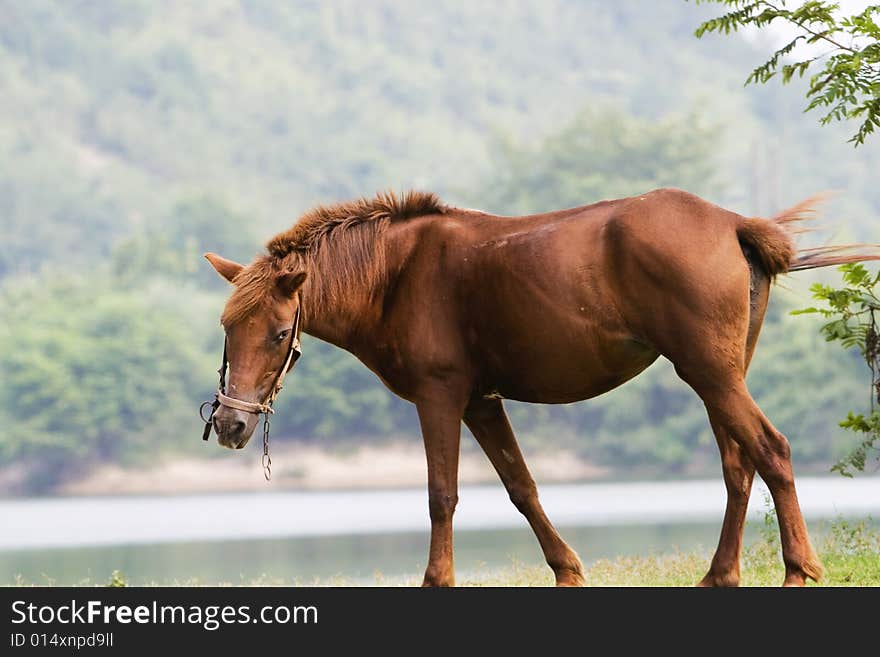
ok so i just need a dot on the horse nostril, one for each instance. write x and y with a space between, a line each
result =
229 427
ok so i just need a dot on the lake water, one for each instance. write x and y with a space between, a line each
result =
288 537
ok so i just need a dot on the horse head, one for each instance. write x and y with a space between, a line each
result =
262 324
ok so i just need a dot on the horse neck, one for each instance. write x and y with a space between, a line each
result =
333 323
342 322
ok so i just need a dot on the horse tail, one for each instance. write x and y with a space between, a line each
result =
772 243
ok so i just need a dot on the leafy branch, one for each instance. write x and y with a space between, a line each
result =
852 311
846 78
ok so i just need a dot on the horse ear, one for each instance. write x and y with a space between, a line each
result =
289 282
226 268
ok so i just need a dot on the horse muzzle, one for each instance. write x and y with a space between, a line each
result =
234 428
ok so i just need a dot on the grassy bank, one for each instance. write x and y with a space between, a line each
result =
686 569
850 553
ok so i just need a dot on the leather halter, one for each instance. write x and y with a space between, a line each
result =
294 351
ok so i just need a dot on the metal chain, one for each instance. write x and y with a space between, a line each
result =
267 460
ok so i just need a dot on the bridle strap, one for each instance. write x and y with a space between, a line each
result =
294 351
214 405
238 404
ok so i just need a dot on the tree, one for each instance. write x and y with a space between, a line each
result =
172 246
91 373
852 314
846 71
602 154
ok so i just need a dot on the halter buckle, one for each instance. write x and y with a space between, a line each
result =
213 405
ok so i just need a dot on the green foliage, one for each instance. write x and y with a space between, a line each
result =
852 314
333 397
117 580
853 537
767 549
175 245
847 78
602 154
113 112
91 373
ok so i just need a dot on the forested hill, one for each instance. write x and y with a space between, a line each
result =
113 112
135 135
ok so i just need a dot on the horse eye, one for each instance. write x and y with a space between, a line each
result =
281 336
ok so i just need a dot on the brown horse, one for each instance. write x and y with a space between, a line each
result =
456 310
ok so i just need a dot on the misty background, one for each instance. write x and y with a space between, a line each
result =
136 135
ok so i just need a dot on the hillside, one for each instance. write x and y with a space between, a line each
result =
113 112
136 135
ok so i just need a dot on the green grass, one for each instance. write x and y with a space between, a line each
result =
686 569
850 553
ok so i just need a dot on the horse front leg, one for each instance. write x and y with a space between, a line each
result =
488 422
440 420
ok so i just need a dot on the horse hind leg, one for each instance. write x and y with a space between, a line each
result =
736 418
736 414
488 422
739 473
737 467
710 350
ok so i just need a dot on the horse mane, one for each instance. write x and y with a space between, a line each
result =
340 247
324 221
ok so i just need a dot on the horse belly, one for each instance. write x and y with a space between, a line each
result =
562 376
